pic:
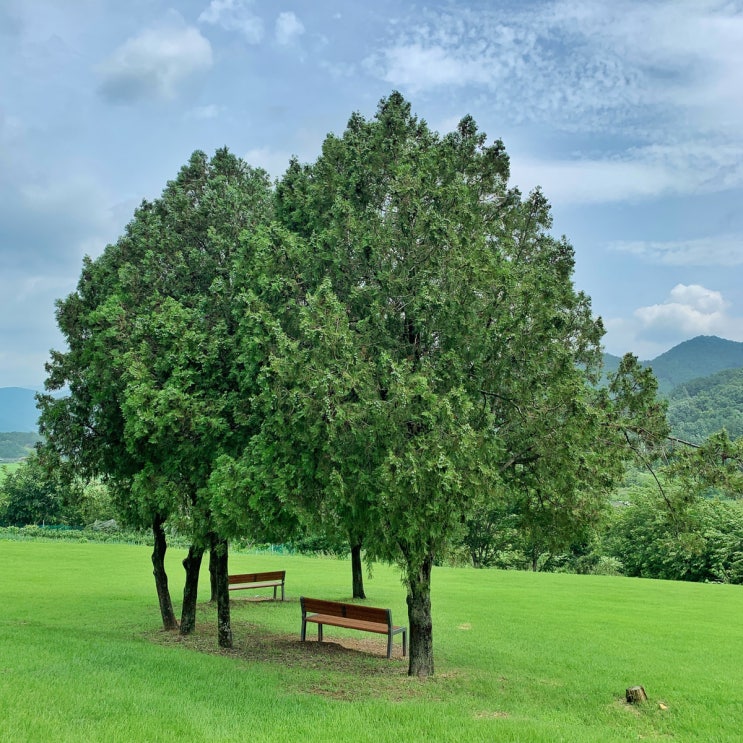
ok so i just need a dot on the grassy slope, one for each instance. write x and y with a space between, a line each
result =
520 657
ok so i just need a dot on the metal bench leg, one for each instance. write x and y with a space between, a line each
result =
404 642
304 629
319 632
389 645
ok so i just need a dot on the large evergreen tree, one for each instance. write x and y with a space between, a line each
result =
431 350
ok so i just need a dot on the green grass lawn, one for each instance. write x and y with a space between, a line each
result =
519 657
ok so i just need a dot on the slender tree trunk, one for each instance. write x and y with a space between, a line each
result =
419 618
357 569
192 566
224 627
213 575
535 559
161 577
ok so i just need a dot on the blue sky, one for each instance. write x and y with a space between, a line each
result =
629 114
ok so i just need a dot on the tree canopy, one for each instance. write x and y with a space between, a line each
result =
383 346
426 347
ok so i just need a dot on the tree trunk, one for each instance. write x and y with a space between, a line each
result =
224 627
213 575
192 565
357 570
419 619
535 559
161 577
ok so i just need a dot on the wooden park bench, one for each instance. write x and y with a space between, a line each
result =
272 579
351 616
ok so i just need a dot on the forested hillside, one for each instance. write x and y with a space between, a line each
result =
691 360
702 379
16 445
703 406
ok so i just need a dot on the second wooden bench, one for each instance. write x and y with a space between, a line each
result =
273 579
351 616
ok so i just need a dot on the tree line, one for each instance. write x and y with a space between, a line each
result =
381 348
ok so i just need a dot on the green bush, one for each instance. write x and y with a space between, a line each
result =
34 494
699 541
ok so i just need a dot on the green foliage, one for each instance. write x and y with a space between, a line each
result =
155 391
715 467
701 407
34 493
427 350
30 496
63 533
702 543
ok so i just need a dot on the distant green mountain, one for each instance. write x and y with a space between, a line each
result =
700 407
691 360
702 379
18 409
611 363
700 357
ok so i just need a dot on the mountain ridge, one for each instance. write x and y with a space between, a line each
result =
689 360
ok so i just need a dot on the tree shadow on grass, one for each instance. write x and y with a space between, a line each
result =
345 668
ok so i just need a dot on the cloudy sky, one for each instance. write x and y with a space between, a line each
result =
628 113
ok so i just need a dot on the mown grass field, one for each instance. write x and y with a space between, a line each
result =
519 657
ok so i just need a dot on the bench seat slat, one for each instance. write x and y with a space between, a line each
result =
256 577
265 584
359 624
269 579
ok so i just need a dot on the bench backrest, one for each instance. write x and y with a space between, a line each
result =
349 611
257 577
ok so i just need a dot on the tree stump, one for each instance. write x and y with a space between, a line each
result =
636 694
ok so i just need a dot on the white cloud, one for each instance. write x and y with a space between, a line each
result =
288 28
688 311
234 15
688 54
155 62
586 65
419 68
593 181
723 250
691 309
638 173
274 162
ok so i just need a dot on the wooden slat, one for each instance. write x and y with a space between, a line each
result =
268 584
359 624
275 575
349 611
